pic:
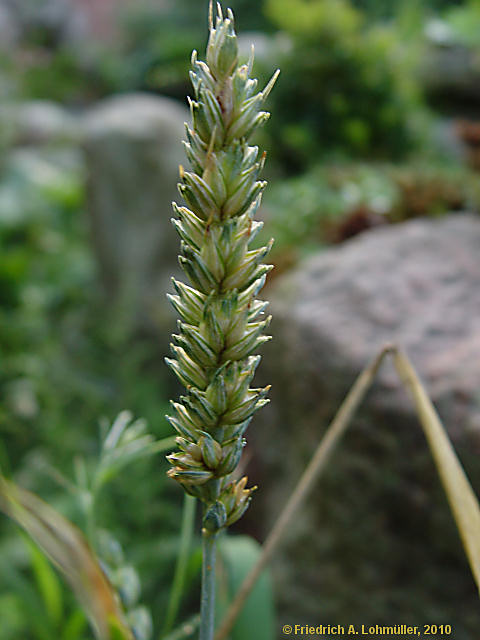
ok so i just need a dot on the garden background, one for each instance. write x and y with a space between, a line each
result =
373 201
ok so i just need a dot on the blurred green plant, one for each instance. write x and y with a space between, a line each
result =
386 9
149 52
67 549
124 442
333 202
346 87
464 23
60 350
156 43
108 592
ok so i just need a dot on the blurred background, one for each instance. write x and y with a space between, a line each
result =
373 201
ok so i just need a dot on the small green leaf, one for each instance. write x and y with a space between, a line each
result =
237 555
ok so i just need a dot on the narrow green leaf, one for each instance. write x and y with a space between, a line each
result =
75 626
38 621
48 584
184 551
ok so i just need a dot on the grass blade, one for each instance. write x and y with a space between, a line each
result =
66 547
186 535
463 501
48 583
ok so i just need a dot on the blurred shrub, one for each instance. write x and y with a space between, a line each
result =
464 23
387 8
156 44
344 87
65 363
334 202
60 346
150 51
57 76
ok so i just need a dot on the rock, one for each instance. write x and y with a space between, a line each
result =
375 542
39 122
133 149
446 139
9 27
451 70
267 48
62 20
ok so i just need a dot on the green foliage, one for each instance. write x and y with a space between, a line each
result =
65 546
60 343
27 590
464 23
387 9
333 202
59 76
309 20
126 441
237 556
44 267
150 52
345 87
61 348
48 584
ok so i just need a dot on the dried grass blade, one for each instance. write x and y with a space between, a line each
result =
461 497
66 547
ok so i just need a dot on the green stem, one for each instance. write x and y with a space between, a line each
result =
207 606
186 534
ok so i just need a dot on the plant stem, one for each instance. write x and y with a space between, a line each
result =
207 606
186 534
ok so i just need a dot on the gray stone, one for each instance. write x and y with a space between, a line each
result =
9 27
445 139
63 19
133 149
376 542
39 122
267 48
452 70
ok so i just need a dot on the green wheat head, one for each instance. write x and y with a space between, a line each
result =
222 323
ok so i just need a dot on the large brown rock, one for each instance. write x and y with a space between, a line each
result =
376 541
